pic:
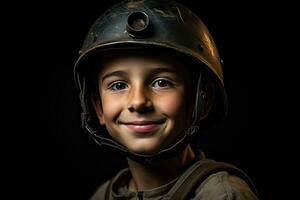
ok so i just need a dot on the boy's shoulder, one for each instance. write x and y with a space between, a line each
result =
208 179
214 184
223 185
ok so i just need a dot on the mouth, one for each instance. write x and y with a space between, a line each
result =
144 126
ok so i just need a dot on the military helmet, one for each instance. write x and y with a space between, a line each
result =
161 24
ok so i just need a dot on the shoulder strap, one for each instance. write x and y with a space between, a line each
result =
108 189
198 173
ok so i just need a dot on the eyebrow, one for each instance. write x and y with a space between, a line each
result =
153 71
166 69
114 73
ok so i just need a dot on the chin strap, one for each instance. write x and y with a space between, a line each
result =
105 139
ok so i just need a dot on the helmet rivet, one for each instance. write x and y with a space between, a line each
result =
200 47
137 24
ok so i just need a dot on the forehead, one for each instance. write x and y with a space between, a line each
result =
144 61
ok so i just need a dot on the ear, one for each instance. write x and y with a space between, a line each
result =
98 109
207 95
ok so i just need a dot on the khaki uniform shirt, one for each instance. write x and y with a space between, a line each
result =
218 186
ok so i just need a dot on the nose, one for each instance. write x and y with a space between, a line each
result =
139 101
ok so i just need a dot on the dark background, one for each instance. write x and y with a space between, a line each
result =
62 163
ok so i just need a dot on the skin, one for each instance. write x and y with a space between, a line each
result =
143 104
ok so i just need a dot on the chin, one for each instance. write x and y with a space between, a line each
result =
144 149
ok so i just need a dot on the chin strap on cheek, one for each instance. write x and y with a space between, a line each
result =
84 114
196 114
191 130
198 101
197 110
86 117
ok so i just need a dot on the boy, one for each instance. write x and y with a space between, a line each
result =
149 71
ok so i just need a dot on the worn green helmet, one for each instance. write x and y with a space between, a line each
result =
147 24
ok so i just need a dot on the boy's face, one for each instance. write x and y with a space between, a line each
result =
143 101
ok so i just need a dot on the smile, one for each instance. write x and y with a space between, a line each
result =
144 126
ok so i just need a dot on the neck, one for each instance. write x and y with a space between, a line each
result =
146 177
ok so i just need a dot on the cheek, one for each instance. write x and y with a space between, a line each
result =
111 106
172 105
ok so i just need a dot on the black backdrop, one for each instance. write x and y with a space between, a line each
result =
65 164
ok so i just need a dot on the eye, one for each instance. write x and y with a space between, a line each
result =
162 84
118 86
